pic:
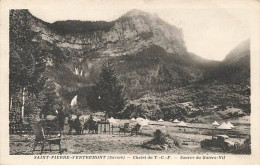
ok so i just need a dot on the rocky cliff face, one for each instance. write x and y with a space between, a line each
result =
86 44
129 34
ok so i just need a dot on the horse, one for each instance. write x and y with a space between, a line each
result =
91 126
75 124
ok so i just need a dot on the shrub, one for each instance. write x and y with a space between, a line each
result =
161 141
244 148
159 137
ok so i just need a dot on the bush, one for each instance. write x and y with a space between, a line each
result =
161 141
244 148
159 137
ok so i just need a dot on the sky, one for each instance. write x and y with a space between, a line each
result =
210 31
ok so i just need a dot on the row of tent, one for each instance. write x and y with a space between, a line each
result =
133 119
224 125
180 123
140 121
143 121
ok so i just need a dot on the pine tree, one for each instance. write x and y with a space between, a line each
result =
27 58
110 91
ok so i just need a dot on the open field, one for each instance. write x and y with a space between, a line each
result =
188 137
240 131
99 144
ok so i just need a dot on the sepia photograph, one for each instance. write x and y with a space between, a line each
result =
140 80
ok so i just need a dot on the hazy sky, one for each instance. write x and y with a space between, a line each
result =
210 32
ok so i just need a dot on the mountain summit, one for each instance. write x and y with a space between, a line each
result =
128 34
136 12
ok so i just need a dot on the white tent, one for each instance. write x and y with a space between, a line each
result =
160 120
141 121
182 124
215 123
132 119
112 120
230 124
176 121
74 101
224 126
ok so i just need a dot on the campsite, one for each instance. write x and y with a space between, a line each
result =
189 135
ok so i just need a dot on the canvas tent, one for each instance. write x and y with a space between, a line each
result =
215 123
160 120
132 119
224 126
141 121
182 124
176 121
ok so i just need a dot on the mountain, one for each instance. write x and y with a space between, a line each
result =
149 54
129 34
240 52
225 86
235 68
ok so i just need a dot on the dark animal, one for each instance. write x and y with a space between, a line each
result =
91 126
75 124
127 129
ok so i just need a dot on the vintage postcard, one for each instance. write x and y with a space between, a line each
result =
130 82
